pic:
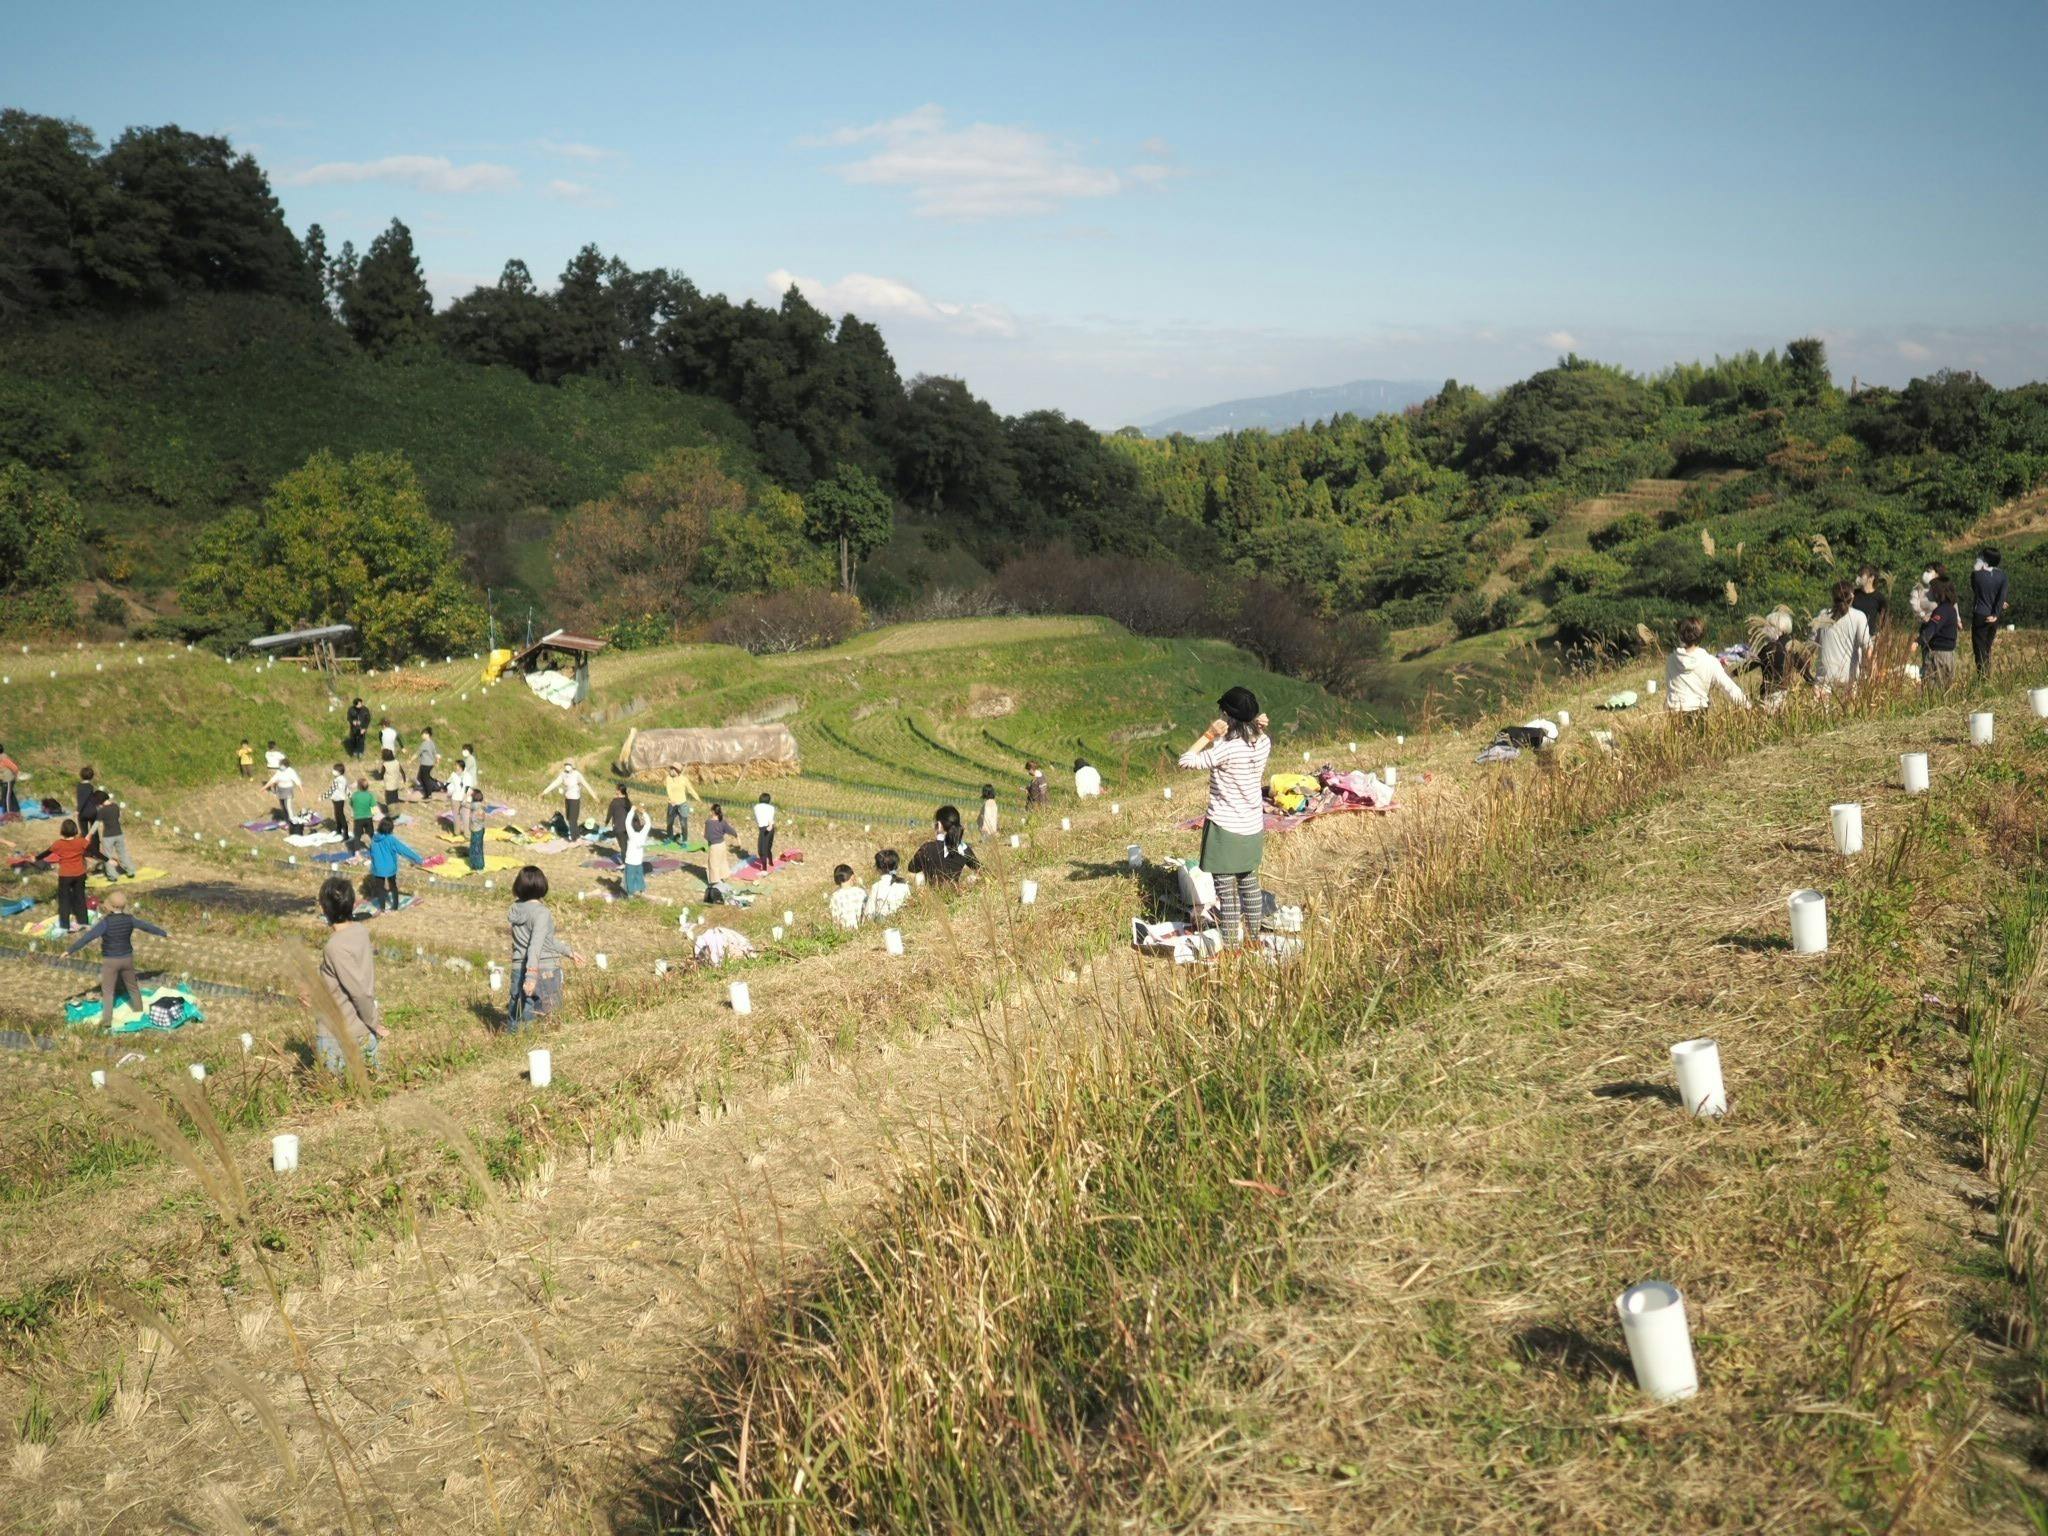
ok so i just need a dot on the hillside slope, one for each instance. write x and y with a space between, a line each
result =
162 420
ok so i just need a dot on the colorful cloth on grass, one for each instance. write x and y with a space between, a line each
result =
452 870
43 927
1299 818
146 873
752 870
16 908
339 856
313 839
365 911
271 825
162 1008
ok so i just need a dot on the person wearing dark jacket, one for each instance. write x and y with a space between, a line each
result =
1937 642
116 932
86 790
1987 606
358 728
1868 601
947 857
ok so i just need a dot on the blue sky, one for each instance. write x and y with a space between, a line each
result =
1122 210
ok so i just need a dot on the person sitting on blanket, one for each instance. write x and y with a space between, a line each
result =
386 849
946 859
890 890
116 932
847 901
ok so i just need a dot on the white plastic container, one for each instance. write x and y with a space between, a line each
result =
2038 698
1913 772
661 967
198 1071
775 933
1167 793
1809 910
1649 685
604 961
1697 1066
1136 855
788 918
1066 824
742 999
284 1152
1028 892
540 1066
1117 810
1390 775
1016 841
99 1077
497 979
1564 717
1847 821
1659 1341
1981 728
892 940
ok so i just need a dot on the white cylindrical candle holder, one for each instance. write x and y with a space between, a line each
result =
1304 757
1659 1342
1697 1065
742 999
1649 685
1847 821
284 1152
99 1077
1167 792
775 933
1809 911
497 978
540 1066
1136 855
892 940
788 917
918 876
604 961
1981 728
198 1071
1066 824
1390 774
1117 810
2038 698
1028 892
248 1042
1016 841
661 967
1354 748
1400 741
1564 717
1913 772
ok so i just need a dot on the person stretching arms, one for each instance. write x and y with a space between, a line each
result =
116 932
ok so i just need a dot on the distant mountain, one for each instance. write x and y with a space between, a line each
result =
1361 397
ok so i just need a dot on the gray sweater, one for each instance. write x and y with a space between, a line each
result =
534 945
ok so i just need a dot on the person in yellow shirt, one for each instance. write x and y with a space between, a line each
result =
680 793
245 759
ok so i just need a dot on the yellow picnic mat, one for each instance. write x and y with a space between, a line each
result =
101 882
455 869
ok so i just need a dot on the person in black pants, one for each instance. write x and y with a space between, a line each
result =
1868 601
358 727
764 818
1987 606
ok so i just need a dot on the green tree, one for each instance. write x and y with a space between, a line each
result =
508 325
849 508
340 542
67 236
761 547
219 226
40 530
386 305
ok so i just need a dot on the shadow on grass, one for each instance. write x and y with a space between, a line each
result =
236 898
1568 1350
1755 943
1662 1093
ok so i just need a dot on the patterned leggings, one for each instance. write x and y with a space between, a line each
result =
1242 905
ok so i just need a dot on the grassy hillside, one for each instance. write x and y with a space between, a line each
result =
163 419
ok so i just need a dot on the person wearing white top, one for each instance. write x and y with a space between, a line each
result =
1234 750
1844 642
764 818
848 901
283 782
639 826
887 895
272 758
570 782
337 797
1692 673
1087 782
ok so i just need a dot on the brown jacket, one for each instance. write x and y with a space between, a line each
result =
349 967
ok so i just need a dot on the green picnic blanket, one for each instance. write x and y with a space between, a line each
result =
128 1020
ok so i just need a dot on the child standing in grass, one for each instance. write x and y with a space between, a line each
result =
245 758
386 849
348 965
470 820
284 782
639 827
362 805
337 798
847 901
1235 750
116 932
537 954
68 853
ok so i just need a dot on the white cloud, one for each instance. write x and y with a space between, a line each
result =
428 173
569 149
1561 341
1157 147
577 192
982 170
885 298
1914 352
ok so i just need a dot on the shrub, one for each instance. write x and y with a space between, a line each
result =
774 623
1625 529
1468 615
110 610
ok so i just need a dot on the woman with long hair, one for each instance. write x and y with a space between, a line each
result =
1234 751
947 857
1844 642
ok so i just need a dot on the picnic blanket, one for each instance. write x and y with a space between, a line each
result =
17 907
313 839
364 911
271 825
130 1020
340 856
753 870
148 872
1278 823
452 870
44 928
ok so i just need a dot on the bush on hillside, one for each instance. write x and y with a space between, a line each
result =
341 543
40 552
1607 625
775 623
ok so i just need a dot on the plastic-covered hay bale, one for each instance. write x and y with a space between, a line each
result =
732 746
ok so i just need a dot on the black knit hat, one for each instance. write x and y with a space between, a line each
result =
1240 705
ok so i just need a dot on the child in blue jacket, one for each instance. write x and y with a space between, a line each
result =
385 851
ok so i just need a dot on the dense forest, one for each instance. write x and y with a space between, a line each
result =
179 369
